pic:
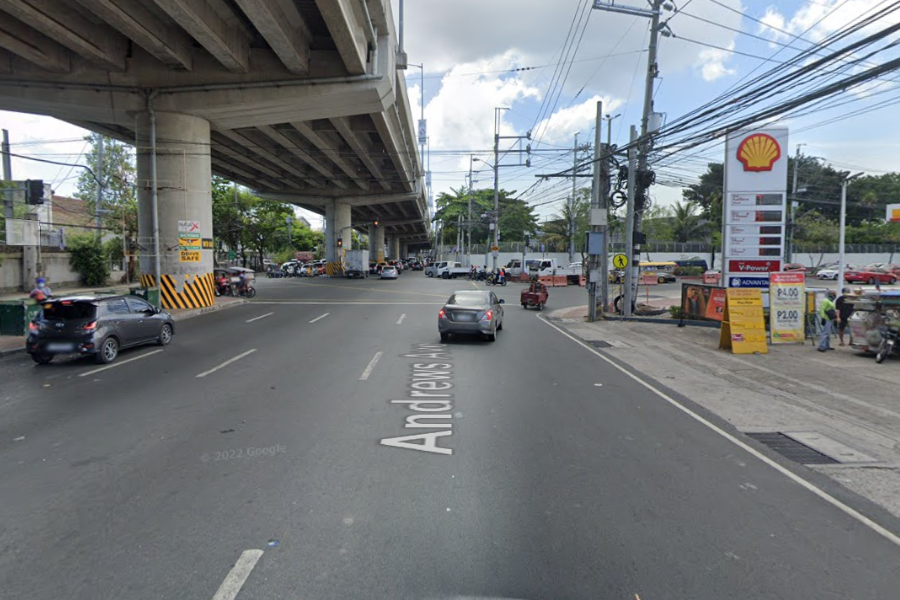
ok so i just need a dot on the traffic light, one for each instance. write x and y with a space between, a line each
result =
376 223
340 242
34 191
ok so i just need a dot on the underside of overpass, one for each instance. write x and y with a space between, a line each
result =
299 100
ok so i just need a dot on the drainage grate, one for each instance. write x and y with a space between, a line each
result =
792 449
600 344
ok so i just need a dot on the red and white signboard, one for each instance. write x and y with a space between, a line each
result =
755 200
754 266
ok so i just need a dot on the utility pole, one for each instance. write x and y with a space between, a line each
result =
789 251
469 222
631 270
98 208
598 265
644 142
496 218
572 202
7 176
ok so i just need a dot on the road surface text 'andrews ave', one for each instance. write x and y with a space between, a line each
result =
430 396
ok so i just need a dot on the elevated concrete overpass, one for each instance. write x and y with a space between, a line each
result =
299 100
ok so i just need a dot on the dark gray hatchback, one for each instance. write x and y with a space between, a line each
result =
96 326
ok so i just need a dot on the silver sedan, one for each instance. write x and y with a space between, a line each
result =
471 312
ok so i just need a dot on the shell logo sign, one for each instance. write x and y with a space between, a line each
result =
758 152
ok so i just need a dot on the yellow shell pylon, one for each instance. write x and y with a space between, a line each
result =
759 152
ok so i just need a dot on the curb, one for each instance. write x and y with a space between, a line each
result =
11 351
196 312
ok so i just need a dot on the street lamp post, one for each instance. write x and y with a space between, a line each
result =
609 120
846 181
290 221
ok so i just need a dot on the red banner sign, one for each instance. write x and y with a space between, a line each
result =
753 266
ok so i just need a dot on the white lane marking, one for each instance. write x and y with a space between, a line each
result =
260 317
400 320
226 363
853 513
320 317
238 574
343 302
119 364
371 366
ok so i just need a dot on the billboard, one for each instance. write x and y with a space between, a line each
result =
755 201
705 302
893 213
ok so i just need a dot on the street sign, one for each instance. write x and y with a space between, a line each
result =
189 241
620 261
495 248
189 256
207 244
189 226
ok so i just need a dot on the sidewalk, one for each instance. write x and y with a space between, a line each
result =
840 403
13 344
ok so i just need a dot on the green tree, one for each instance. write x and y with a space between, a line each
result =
686 223
657 224
516 216
118 202
89 259
556 232
815 231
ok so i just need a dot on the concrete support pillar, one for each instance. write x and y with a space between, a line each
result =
184 207
337 226
395 247
376 243
404 250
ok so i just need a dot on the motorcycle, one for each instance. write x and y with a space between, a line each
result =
492 281
247 291
889 343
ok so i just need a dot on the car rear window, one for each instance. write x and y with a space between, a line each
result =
468 300
69 311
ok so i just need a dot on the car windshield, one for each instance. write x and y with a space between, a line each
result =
69 311
468 300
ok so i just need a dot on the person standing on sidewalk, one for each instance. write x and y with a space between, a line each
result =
827 315
844 310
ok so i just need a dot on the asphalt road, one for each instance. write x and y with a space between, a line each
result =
543 471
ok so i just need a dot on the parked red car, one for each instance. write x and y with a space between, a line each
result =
793 267
870 275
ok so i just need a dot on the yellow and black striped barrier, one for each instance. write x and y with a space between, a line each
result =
198 291
334 269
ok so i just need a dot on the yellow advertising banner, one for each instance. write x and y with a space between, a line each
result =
786 314
744 325
189 256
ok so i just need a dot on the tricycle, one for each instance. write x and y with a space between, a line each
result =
875 323
534 295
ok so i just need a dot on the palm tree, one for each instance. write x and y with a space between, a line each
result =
686 222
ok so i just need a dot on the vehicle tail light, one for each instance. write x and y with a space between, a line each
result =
92 326
442 314
488 316
33 327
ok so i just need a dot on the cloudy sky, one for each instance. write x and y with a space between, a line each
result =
549 62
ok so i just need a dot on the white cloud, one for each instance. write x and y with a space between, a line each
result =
561 126
45 138
772 25
712 63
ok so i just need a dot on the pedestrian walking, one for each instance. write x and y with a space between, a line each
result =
844 308
827 315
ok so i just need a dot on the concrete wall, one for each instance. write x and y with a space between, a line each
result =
56 266
810 260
